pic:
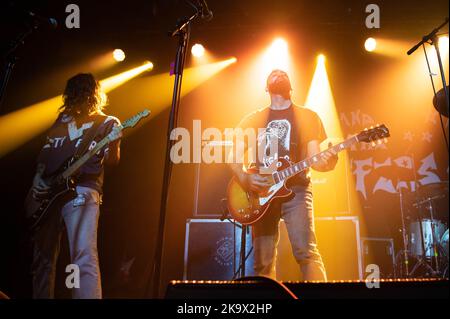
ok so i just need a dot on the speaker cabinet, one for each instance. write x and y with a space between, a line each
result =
212 250
211 181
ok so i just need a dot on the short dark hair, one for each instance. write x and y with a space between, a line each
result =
82 95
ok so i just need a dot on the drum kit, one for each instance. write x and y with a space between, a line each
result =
424 214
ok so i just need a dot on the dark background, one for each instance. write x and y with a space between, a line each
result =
130 212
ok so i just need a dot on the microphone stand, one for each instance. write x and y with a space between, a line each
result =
182 32
432 38
10 61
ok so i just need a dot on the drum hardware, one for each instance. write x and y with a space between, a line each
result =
424 231
404 252
427 232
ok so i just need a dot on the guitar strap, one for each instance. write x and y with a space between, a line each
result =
89 136
295 146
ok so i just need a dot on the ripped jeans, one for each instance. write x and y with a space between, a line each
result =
297 214
81 219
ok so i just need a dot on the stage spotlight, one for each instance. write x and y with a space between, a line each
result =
119 55
321 58
443 44
370 44
115 81
149 65
198 50
278 55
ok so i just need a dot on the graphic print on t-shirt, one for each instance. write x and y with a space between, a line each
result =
281 131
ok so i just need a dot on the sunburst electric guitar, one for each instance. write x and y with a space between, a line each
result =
247 207
62 184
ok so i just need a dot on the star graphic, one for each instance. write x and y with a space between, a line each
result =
427 136
408 136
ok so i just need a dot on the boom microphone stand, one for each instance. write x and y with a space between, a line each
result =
182 31
432 38
9 60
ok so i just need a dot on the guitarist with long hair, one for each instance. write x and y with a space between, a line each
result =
298 132
80 124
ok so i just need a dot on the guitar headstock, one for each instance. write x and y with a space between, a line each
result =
375 134
131 122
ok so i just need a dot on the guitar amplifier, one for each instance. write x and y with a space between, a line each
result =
338 241
212 250
211 181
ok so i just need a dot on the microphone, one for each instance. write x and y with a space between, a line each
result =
42 20
206 14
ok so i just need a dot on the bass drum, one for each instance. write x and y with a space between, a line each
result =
429 236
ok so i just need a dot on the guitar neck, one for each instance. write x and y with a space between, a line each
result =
78 163
131 122
296 168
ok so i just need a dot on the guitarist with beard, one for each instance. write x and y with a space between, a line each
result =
80 124
298 132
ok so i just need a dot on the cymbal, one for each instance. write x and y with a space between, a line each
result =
434 189
440 103
428 192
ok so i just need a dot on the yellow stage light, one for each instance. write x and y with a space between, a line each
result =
158 89
112 82
320 99
321 58
277 56
370 44
119 55
198 50
330 197
16 128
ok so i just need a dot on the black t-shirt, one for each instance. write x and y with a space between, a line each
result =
293 128
63 139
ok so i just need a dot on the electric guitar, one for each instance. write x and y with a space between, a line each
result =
62 184
247 207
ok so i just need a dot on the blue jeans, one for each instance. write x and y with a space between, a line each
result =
298 216
81 219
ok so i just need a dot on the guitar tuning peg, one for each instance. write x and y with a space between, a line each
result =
385 140
379 142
